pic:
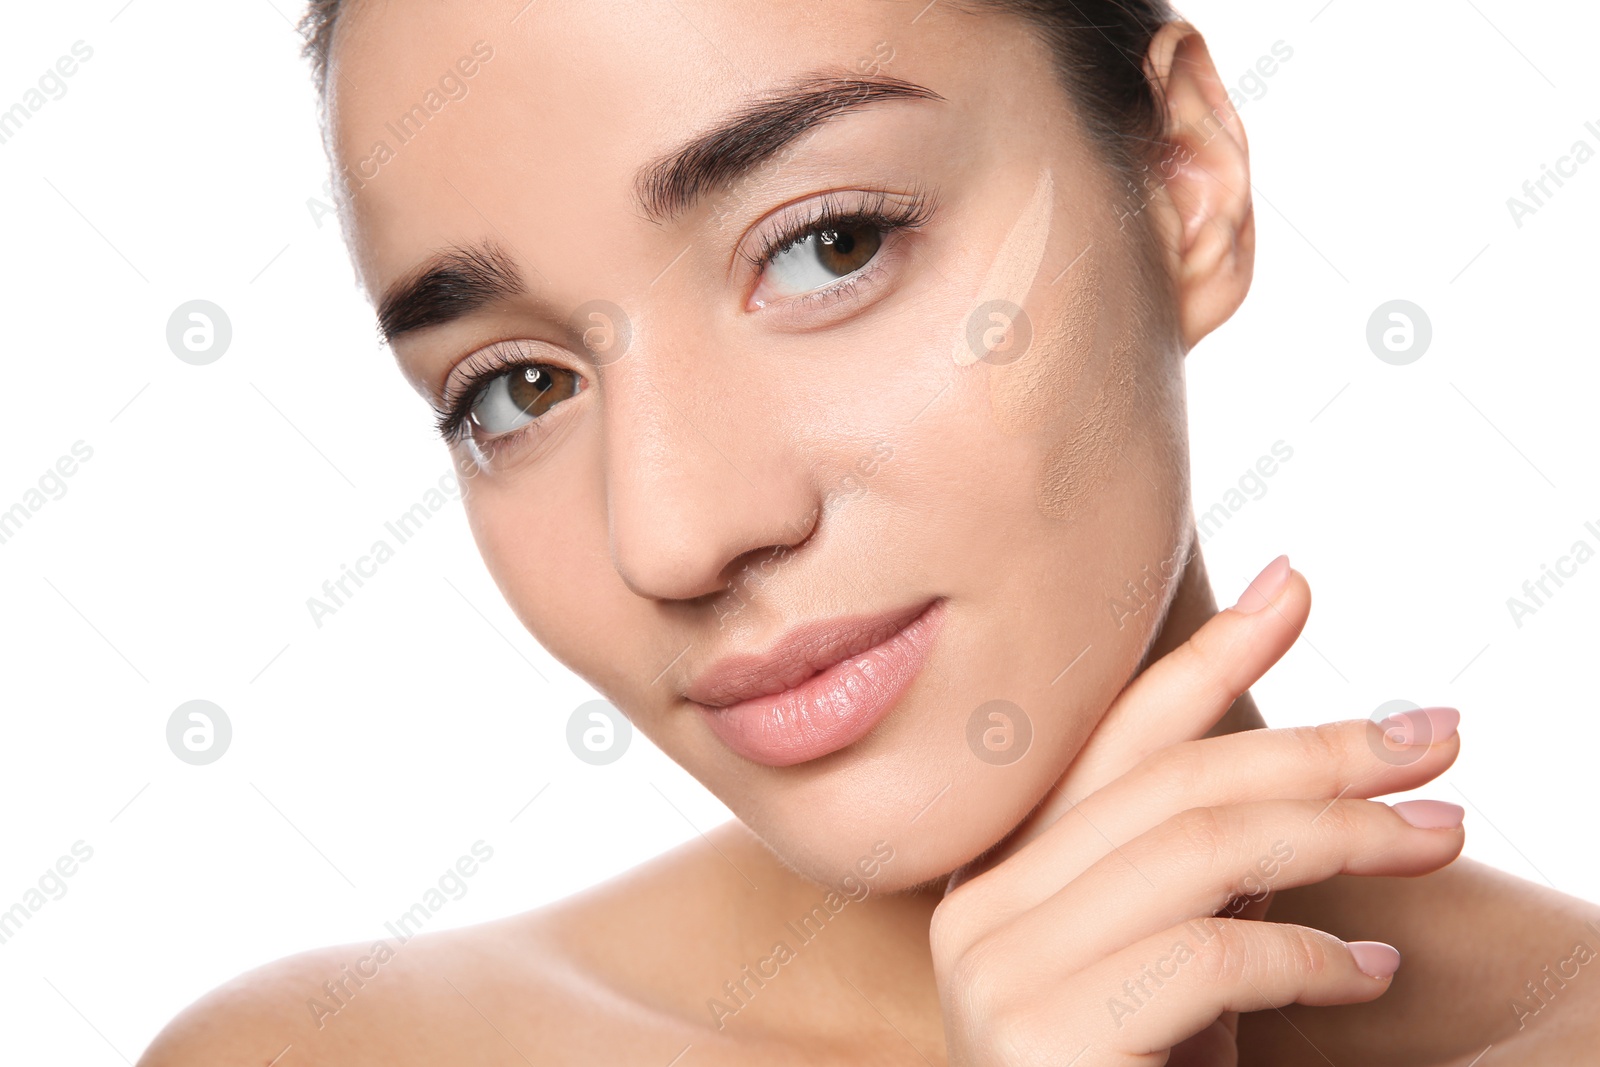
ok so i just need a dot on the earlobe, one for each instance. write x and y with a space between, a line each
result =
1206 216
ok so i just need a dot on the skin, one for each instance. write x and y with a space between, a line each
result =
724 439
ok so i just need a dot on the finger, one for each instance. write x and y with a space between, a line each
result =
1182 695
1355 758
1157 993
1179 697
1194 863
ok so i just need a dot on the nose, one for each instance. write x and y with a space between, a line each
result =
699 481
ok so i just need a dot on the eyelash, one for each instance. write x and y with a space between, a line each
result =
882 211
476 372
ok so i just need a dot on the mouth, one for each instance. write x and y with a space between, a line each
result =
821 689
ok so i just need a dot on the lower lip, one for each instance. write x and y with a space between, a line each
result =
833 708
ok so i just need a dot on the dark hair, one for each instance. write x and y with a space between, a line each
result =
1099 48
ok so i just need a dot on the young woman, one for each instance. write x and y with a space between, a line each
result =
815 373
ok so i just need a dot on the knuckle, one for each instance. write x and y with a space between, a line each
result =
1198 830
1330 746
1204 644
1342 820
1306 950
978 990
1011 1035
1223 958
948 929
1180 770
1204 658
1301 951
1327 742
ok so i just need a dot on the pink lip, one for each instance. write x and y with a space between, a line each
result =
843 678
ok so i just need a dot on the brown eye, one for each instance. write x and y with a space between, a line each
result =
846 250
520 395
821 258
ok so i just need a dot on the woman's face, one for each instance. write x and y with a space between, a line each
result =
848 429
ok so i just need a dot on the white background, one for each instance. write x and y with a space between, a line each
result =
183 162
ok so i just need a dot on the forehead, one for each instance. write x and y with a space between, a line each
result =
455 122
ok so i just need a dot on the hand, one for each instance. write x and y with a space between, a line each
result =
1102 934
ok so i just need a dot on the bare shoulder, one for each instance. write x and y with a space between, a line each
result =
381 1001
586 979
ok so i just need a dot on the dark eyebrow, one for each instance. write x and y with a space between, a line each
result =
457 281
756 132
453 283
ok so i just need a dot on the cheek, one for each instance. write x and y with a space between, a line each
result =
1081 462
1039 392
541 535
1075 392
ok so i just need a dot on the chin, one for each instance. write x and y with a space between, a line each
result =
951 771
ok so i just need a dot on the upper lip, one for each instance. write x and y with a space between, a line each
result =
798 653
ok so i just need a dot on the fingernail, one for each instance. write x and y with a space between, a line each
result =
1430 814
1421 726
1375 958
1268 584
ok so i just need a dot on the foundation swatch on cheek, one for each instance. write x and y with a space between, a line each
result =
1016 265
1075 389
1040 390
1081 463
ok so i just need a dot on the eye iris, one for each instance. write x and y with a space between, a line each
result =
520 396
844 251
529 388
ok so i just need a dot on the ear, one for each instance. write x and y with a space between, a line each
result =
1204 213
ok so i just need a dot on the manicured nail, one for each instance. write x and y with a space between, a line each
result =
1375 958
1421 726
1430 814
1268 584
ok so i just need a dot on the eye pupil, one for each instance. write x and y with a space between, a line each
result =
846 251
528 390
520 395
